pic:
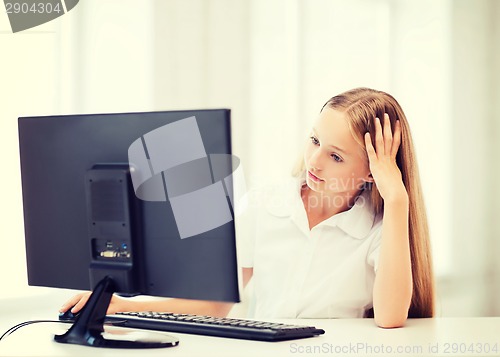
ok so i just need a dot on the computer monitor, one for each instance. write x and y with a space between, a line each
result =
140 202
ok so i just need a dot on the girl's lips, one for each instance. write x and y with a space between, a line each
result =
314 177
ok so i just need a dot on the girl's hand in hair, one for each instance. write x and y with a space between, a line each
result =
382 159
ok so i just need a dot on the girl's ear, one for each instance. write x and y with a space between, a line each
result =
369 178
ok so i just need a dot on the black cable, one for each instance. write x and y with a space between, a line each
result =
26 323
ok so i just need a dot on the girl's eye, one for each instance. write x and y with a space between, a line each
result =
337 158
314 140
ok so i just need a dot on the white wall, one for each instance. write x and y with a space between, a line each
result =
473 281
28 75
115 61
495 236
275 63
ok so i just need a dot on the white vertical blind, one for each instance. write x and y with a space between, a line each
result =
116 56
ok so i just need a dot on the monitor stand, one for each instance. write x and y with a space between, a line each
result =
88 327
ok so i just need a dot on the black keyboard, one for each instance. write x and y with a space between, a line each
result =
212 326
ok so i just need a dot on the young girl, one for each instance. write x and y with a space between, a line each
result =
348 237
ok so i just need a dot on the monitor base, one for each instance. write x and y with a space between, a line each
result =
88 328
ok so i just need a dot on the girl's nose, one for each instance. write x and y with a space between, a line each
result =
315 160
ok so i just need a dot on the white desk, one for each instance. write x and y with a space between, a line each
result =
351 337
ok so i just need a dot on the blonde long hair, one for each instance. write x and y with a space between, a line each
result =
361 106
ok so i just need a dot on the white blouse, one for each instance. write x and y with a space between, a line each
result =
324 272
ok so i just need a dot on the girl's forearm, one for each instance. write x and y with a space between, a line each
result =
181 306
393 285
186 306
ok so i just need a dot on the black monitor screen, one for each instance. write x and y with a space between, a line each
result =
143 197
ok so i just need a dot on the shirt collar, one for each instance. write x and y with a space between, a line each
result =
356 221
285 201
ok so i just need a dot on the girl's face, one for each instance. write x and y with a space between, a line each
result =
334 161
